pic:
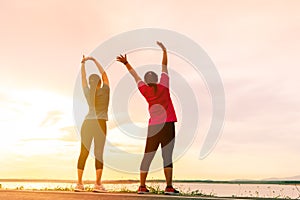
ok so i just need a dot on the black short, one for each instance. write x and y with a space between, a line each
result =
160 134
92 129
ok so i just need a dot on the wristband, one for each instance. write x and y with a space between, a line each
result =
125 63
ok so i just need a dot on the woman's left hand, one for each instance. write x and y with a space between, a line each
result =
87 58
83 59
122 59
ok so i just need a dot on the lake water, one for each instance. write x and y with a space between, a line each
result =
221 190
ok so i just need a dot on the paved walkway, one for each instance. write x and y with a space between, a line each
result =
54 195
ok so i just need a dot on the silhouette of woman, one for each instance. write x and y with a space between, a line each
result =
94 125
161 129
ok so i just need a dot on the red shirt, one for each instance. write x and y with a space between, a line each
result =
161 108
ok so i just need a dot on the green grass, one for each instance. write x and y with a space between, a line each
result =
89 188
197 193
155 189
125 190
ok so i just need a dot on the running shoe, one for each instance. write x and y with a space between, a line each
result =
170 190
143 190
79 188
99 188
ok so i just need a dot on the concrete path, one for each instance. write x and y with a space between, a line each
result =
56 195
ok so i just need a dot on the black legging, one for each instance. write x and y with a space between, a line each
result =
92 129
163 134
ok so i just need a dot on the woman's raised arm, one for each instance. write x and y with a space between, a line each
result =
101 70
83 73
123 59
165 57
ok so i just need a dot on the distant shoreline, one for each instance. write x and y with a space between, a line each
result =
129 181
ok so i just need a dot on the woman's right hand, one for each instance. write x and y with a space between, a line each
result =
161 45
87 58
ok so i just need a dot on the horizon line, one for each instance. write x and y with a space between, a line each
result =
131 181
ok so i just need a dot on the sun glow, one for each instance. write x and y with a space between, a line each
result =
34 119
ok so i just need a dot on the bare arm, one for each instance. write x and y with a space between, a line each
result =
123 59
83 73
165 57
101 70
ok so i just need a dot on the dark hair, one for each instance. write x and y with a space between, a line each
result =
94 78
151 79
154 86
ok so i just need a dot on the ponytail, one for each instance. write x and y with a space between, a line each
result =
93 91
154 86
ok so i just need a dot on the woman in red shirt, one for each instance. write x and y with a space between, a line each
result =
161 129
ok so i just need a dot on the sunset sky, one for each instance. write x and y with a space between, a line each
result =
254 44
